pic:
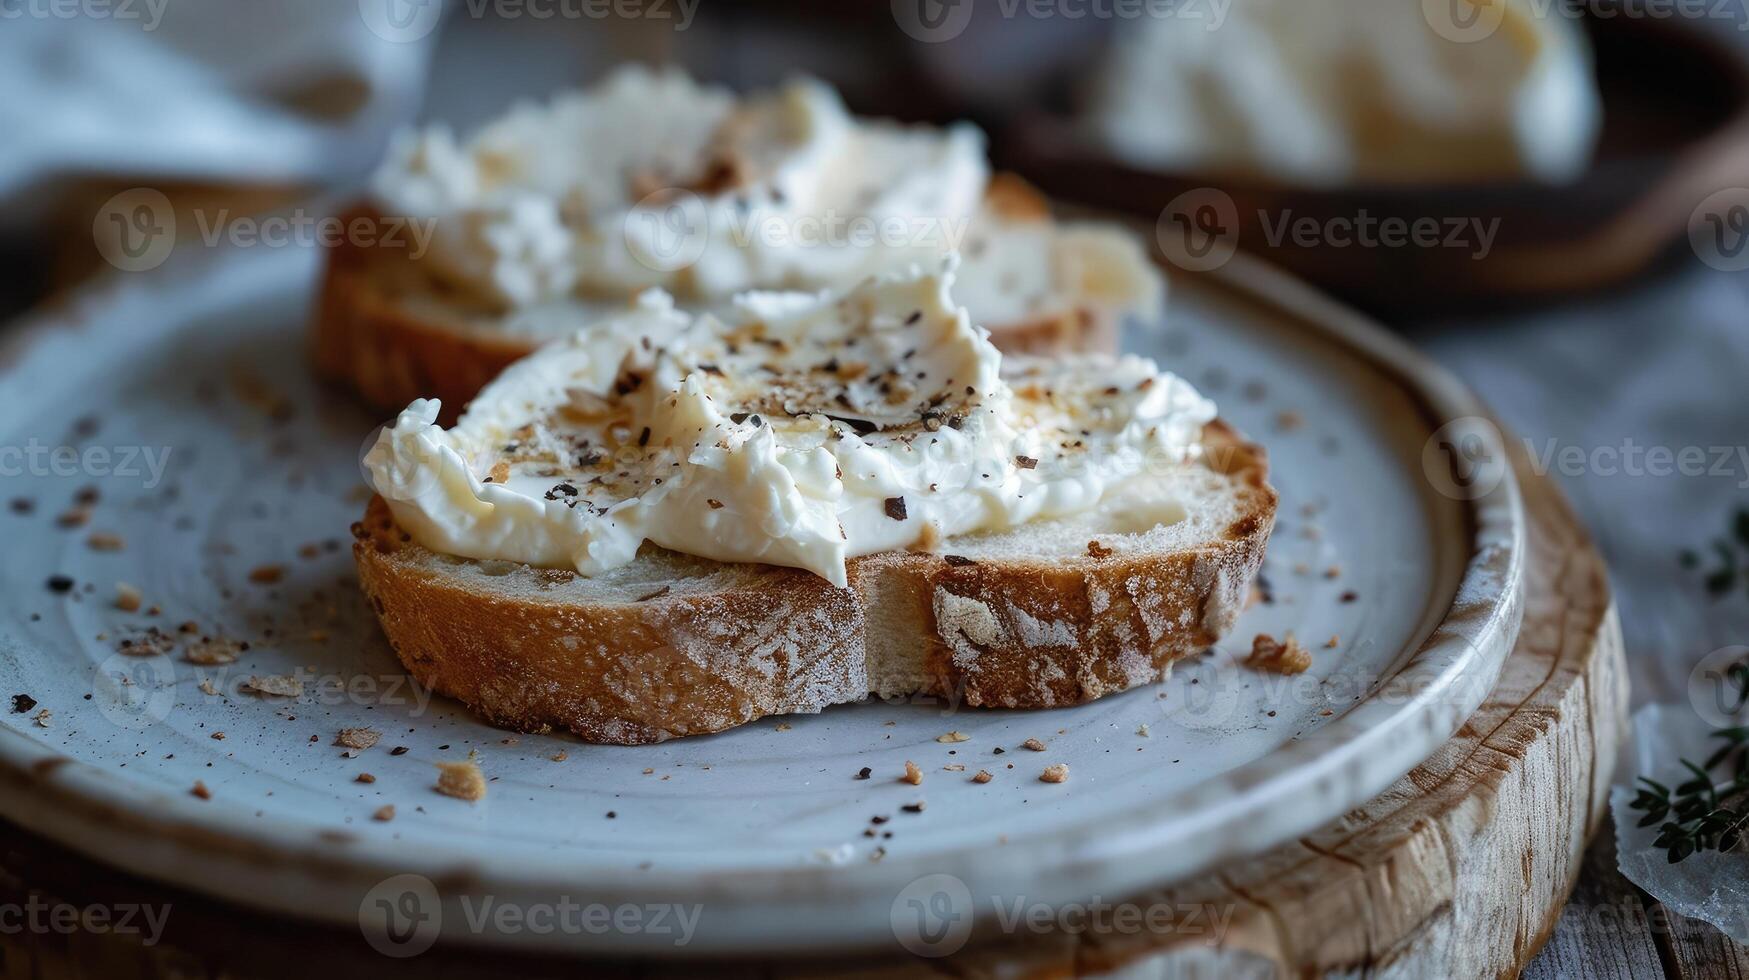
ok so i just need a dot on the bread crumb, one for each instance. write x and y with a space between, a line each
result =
309 551
1142 730
562 755
1278 657
364 777
1097 550
1058 773
783 726
462 780
1289 420
128 598
217 736
500 472
983 776
103 541
955 767
266 574
913 774
1332 642
42 718
1033 744
1334 571
278 685
384 813
212 653
953 737
74 517
206 686
357 738
201 791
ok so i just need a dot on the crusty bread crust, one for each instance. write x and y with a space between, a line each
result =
366 336
716 646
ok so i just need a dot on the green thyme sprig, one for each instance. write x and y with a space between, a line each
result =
1707 812
1721 578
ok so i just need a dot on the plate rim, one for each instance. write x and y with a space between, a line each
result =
173 837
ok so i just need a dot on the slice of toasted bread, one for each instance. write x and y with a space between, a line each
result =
1048 614
393 329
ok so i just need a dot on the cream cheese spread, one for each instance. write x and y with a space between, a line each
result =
1338 91
796 429
651 180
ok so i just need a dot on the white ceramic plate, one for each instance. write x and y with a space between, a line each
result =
759 832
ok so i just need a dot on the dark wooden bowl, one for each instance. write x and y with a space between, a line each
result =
1676 130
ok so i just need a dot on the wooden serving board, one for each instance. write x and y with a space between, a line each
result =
1459 869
